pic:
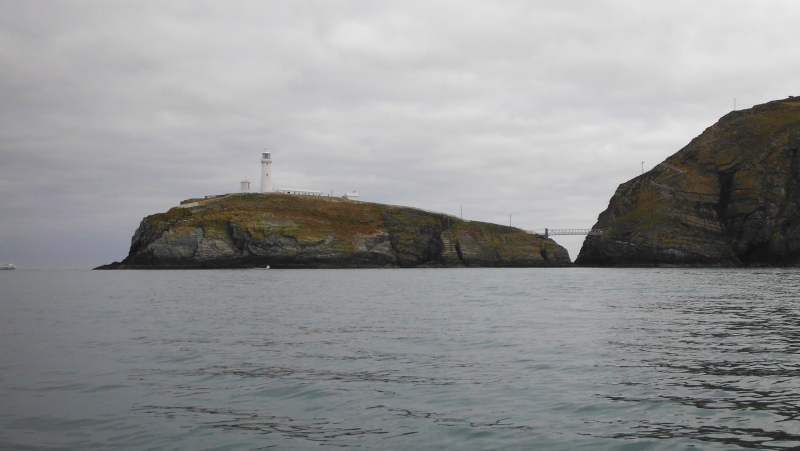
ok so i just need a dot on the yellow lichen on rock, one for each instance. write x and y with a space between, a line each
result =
734 199
286 231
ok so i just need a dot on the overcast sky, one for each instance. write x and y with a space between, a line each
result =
110 111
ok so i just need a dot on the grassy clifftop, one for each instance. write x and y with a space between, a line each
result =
287 231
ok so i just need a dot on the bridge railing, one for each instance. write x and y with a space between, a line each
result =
551 232
574 231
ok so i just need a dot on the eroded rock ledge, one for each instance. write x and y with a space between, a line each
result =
731 197
285 231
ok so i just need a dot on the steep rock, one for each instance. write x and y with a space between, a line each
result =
731 197
286 231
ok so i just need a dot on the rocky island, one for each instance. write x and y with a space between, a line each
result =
290 231
731 197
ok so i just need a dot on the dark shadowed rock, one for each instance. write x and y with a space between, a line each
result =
286 231
731 197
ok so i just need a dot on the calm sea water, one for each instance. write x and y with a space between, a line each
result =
475 359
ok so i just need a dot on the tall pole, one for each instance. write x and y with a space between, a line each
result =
509 220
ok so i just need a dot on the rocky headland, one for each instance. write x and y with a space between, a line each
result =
288 231
731 197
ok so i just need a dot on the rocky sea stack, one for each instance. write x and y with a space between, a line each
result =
731 197
288 231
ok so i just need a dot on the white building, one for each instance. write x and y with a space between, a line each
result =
245 187
351 195
299 192
266 171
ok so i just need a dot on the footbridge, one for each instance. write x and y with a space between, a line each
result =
551 232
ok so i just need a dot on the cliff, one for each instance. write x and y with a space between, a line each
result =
731 197
286 231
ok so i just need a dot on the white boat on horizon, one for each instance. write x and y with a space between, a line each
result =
7 266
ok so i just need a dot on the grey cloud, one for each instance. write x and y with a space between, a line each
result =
114 110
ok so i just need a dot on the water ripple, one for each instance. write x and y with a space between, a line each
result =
596 359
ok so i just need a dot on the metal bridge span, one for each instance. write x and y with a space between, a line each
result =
551 232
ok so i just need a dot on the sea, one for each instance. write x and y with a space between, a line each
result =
400 359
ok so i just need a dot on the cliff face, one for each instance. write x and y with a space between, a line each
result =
285 231
731 197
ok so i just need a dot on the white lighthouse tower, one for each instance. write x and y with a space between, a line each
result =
266 171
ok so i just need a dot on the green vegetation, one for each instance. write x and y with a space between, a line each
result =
297 231
733 204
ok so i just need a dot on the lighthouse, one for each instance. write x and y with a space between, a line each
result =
266 170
